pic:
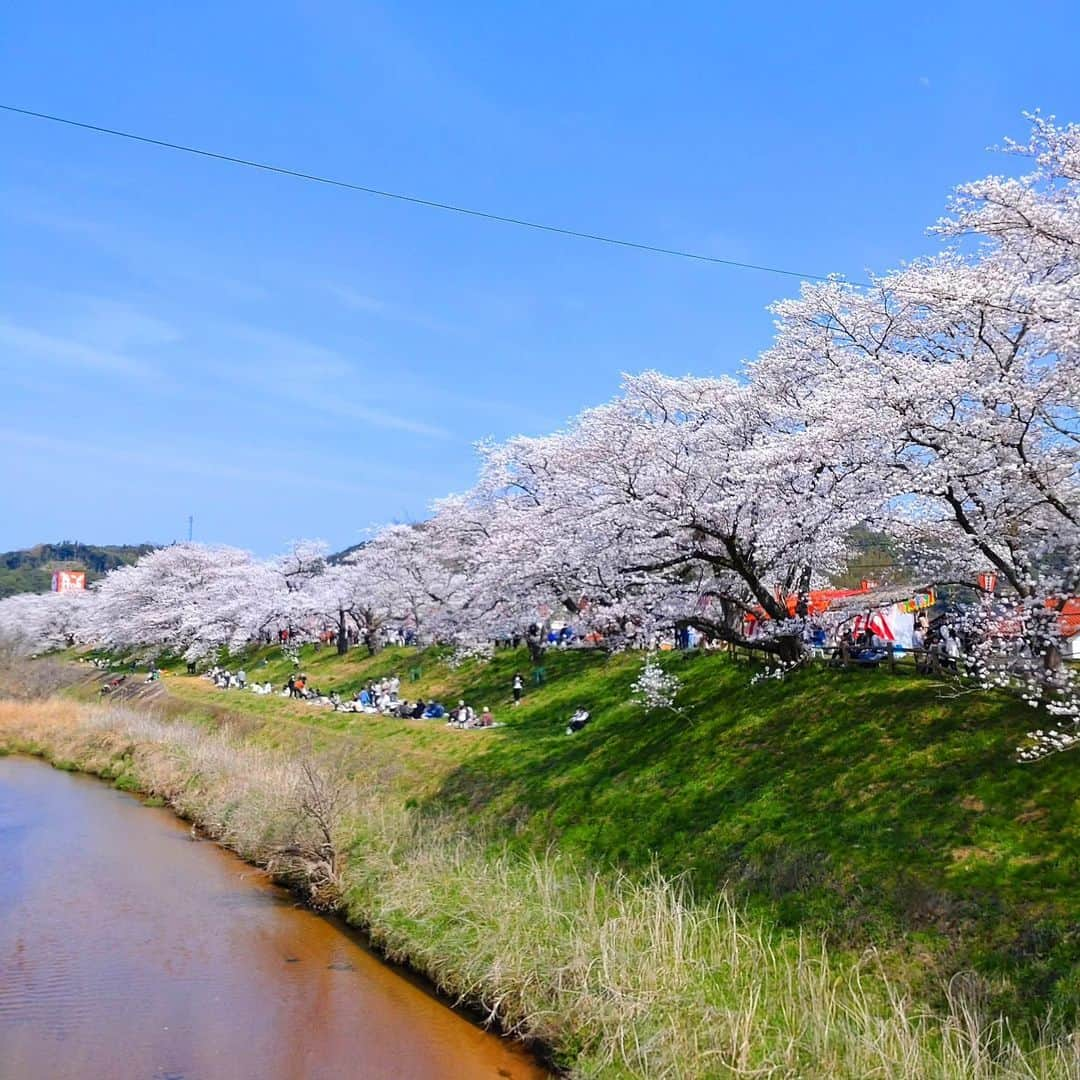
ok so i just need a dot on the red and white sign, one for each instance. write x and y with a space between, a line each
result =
890 625
988 581
68 580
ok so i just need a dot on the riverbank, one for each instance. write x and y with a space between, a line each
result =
618 975
878 810
119 932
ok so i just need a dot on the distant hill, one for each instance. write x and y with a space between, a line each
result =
875 557
31 569
337 557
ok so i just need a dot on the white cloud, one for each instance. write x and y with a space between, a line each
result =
174 460
311 376
66 352
354 300
358 301
92 334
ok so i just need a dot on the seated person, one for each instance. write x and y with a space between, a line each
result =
418 710
434 711
462 716
485 719
577 721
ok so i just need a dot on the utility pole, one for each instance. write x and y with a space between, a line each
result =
190 526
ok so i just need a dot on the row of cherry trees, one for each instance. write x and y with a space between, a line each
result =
939 404
194 599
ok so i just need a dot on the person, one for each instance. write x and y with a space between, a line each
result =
241 679
434 711
486 719
418 710
462 716
290 686
577 721
950 645
519 688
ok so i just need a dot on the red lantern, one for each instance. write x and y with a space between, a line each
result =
988 581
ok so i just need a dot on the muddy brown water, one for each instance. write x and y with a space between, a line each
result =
129 951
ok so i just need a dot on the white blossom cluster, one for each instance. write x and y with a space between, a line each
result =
481 652
1044 743
775 669
654 687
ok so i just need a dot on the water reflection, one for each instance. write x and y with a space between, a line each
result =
127 950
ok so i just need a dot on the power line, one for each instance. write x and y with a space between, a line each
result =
414 199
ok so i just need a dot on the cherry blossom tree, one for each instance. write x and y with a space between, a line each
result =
954 386
654 687
31 622
189 598
678 500
940 406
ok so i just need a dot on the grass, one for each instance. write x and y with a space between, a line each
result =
878 809
620 975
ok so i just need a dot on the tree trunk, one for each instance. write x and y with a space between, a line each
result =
789 648
342 634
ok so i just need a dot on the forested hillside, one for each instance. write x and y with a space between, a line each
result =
31 569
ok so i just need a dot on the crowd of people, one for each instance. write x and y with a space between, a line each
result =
936 646
376 698
382 698
224 679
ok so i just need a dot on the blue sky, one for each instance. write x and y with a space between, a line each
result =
282 359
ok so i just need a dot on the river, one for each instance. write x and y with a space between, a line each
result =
129 951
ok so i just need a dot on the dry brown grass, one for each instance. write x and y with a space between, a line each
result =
26 679
620 977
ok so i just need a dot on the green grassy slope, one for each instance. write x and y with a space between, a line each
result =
884 809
